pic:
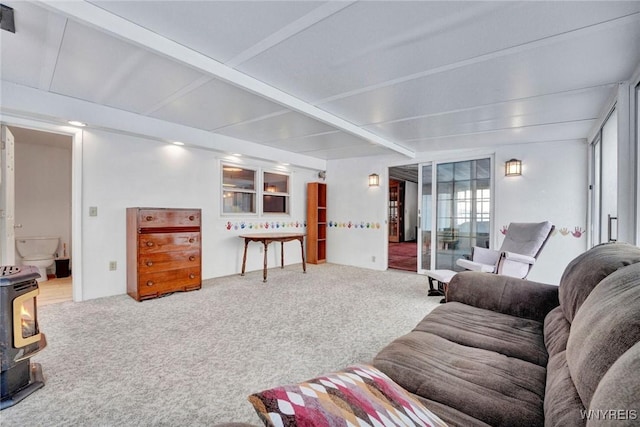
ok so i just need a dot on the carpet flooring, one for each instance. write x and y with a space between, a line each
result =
193 358
403 256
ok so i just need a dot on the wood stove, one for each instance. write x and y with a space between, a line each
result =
20 336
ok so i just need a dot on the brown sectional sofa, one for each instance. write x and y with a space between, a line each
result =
511 352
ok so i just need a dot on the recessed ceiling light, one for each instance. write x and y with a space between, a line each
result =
236 154
284 164
76 123
177 143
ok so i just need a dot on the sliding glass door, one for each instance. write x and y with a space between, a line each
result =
425 190
455 211
604 182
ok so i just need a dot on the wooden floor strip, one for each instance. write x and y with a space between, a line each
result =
54 291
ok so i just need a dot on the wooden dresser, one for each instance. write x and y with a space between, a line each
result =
163 251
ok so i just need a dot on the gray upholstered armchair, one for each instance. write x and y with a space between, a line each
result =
519 251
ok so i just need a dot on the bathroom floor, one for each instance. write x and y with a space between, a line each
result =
55 290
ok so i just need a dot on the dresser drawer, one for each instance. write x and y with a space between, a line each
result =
167 242
152 284
158 218
163 261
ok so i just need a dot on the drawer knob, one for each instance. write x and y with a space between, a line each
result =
191 217
192 276
149 218
149 263
149 244
149 283
192 258
191 240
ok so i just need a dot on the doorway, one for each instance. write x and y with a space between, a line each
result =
43 202
402 214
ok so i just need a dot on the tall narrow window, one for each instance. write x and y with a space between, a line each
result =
463 209
238 190
275 196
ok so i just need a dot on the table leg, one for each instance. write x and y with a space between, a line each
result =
264 268
281 254
244 257
304 266
433 290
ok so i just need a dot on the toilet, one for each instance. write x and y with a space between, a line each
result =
38 252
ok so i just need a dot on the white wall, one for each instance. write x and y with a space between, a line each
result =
123 171
553 187
358 212
43 191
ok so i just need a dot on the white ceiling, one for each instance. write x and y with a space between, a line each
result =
336 79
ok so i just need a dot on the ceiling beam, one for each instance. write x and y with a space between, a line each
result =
318 14
102 20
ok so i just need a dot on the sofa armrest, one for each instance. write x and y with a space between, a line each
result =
503 294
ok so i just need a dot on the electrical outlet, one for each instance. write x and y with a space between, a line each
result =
113 265
93 211
373 258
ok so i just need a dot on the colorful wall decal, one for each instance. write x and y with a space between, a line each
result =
355 225
577 232
264 225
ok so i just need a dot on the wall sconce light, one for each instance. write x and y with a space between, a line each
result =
513 167
374 180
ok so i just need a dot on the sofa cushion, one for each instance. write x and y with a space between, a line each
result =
562 405
451 416
489 386
588 269
619 391
556 331
503 294
476 327
606 326
358 395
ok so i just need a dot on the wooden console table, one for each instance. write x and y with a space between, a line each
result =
265 239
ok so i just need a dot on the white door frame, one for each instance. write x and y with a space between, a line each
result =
76 189
8 223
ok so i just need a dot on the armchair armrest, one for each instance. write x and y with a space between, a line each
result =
514 265
512 256
503 294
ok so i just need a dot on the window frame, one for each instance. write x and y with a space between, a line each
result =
254 192
258 193
264 192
